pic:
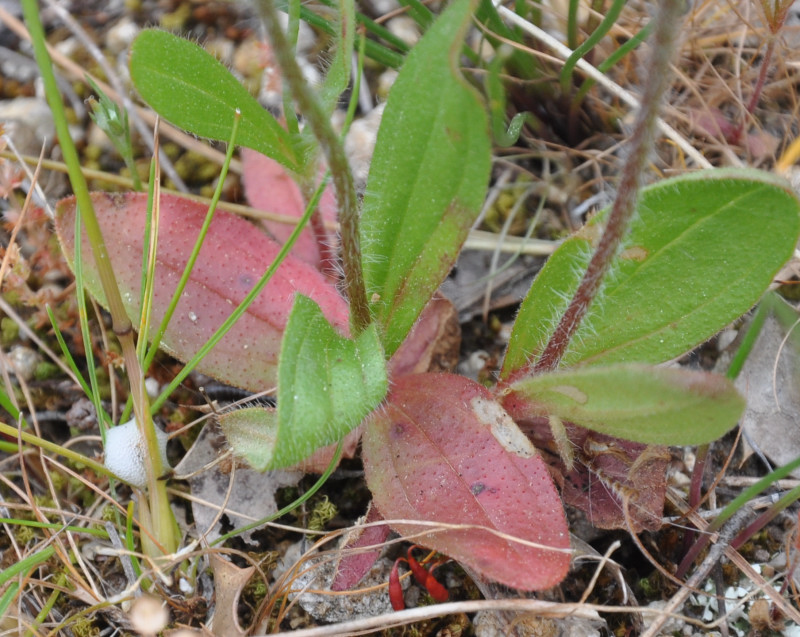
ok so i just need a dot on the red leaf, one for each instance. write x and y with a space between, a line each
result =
270 188
354 566
433 343
233 258
441 450
611 474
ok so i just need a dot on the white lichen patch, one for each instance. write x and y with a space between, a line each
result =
125 452
503 427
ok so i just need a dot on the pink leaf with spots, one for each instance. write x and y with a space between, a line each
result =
270 188
233 258
442 450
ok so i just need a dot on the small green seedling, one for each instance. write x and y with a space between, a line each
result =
440 449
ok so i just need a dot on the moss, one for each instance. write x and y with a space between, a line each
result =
46 370
24 534
9 331
85 627
175 20
58 480
324 511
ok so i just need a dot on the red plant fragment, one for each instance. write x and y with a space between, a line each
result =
434 587
395 588
443 451
353 566
270 188
419 571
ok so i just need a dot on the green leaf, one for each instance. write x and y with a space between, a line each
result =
327 384
701 252
190 88
427 180
653 405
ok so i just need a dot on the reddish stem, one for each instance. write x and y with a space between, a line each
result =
759 88
641 144
327 253
696 490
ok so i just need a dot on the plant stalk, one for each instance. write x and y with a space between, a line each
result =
337 163
163 519
668 21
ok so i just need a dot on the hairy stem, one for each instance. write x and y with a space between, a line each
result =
642 138
337 162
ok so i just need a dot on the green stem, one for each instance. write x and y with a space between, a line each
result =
164 524
55 449
598 34
337 163
187 271
35 524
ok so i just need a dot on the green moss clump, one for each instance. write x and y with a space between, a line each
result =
85 627
24 535
9 331
324 511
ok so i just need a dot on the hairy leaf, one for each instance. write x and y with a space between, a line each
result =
443 451
233 258
427 179
190 88
327 384
661 406
681 277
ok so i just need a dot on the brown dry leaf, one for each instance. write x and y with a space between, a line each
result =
252 494
773 394
229 581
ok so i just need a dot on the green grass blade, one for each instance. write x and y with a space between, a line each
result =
24 565
187 271
242 307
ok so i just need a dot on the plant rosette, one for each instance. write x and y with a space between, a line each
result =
458 465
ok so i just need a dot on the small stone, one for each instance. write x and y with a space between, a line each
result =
404 28
81 415
23 361
121 35
148 615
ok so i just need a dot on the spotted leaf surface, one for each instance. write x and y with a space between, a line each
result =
233 258
442 450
